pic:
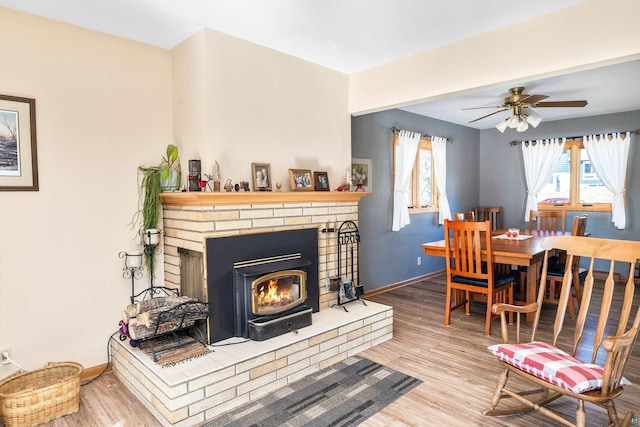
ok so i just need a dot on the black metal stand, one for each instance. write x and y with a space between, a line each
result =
194 311
348 253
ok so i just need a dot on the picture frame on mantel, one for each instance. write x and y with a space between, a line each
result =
18 154
321 181
300 180
261 173
361 173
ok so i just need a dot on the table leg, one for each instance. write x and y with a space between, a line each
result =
532 286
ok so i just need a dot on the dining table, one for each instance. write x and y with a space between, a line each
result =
523 250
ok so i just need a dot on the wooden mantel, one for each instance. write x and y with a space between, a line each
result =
259 197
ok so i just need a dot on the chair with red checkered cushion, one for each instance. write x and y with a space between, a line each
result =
576 371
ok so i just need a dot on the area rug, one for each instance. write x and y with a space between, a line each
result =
344 394
171 350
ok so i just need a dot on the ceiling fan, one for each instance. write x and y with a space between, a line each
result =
522 106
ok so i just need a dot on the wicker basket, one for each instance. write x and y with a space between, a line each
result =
35 397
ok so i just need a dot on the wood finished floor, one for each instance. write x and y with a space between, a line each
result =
459 374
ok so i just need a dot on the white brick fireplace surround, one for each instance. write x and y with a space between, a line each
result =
195 391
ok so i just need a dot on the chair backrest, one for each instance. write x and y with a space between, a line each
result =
578 229
493 215
466 244
547 220
465 216
615 253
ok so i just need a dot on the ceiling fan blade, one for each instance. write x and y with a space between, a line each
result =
560 104
480 108
495 112
532 99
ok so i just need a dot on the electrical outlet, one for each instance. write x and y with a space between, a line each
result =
3 350
419 260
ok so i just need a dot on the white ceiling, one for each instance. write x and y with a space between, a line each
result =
354 35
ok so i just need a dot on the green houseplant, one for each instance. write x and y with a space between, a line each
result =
150 185
170 169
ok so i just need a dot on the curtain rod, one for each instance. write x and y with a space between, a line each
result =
574 138
396 130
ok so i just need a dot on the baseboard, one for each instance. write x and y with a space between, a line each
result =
90 373
402 284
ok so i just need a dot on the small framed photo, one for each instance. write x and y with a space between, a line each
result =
361 174
321 180
18 156
300 180
261 173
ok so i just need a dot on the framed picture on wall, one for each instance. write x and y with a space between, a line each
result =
361 174
321 181
300 180
261 173
18 155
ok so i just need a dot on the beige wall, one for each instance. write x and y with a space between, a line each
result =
587 35
103 107
260 106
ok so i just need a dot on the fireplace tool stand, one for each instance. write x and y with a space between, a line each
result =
349 289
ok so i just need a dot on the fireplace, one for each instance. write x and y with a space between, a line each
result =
239 269
270 296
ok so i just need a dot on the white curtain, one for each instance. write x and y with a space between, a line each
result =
609 159
405 159
439 150
540 160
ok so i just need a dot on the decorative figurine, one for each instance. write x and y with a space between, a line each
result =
228 186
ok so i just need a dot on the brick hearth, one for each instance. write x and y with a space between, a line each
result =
192 392
198 390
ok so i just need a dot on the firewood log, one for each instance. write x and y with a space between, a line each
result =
159 302
139 332
187 311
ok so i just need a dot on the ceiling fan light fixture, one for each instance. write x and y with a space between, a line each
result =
502 125
522 124
513 121
533 118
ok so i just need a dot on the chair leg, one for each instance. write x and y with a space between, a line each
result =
467 302
447 307
613 414
487 327
497 393
581 416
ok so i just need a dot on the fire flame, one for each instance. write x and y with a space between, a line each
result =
273 295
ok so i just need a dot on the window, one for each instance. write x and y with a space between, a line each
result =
424 191
574 184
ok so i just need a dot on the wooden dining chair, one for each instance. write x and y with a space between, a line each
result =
547 220
493 215
467 246
464 216
587 364
558 267
543 221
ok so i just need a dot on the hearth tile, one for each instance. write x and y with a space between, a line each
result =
255 362
211 378
211 400
323 337
304 354
292 368
317 358
293 348
227 406
359 332
351 327
256 383
228 383
315 367
335 342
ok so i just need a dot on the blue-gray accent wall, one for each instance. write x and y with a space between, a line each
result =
482 170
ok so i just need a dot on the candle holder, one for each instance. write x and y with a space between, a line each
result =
151 246
132 268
